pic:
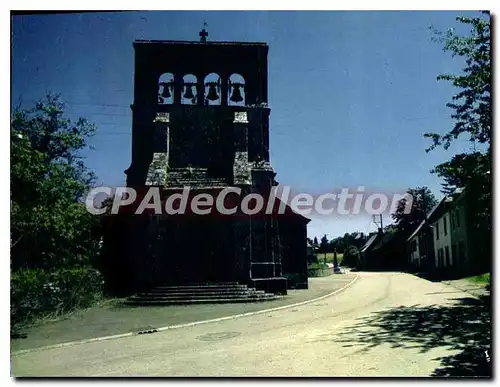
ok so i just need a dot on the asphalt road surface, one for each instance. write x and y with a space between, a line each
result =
384 324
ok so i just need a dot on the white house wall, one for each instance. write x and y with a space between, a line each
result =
444 240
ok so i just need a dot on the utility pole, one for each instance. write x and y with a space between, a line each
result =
427 233
379 222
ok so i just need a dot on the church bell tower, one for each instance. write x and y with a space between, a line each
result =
201 119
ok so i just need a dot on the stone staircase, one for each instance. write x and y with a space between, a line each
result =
193 177
209 293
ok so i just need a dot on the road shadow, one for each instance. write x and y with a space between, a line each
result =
464 327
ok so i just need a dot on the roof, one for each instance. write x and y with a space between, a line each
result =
369 242
386 239
191 42
289 212
428 218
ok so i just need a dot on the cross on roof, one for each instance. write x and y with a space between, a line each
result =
203 34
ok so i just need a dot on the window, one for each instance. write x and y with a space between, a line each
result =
212 93
440 257
458 218
445 231
236 87
241 117
189 94
166 89
437 230
454 253
162 117
452 220
447 256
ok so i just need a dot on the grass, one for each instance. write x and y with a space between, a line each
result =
318 266
480 278
329 257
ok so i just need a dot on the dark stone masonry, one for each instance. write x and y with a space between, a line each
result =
201 119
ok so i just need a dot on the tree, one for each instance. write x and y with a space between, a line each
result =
351 256
423 200
472 104
472 116
324 246
338 244
356 239
315 242
49 223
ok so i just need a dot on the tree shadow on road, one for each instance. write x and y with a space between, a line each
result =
464 326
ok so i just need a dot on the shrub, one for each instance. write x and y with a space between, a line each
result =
318 266
37 292
351 257
318 270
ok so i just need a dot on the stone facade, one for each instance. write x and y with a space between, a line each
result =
200 119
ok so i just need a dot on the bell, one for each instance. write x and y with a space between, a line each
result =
189 92
166 90
236 96
212 93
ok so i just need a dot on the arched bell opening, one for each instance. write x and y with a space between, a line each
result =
236 87
166 89
189 90
212 95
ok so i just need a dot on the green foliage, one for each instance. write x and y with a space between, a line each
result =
351 257
423 200
318 266
312 258
472 115
472 104
323 247
37 292
329 257
318 270
357 239
480 279
462 169
49 223
53 238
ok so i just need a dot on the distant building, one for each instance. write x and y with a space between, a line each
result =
384 251
365 253
420 244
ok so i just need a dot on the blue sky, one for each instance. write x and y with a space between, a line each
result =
351 93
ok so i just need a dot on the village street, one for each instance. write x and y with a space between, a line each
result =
384 324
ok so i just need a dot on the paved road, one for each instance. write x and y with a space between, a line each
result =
112 319
385 324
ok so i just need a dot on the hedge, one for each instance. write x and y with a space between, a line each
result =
37 292
319 270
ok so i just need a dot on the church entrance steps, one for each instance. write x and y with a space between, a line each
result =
224 285
225 293
200 301
198 290
200 294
